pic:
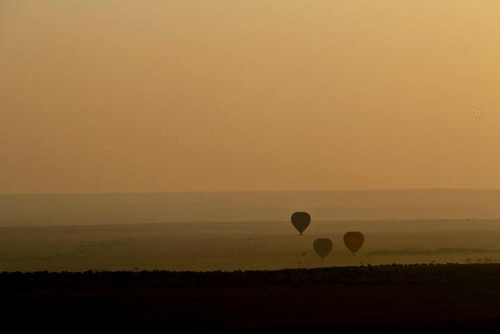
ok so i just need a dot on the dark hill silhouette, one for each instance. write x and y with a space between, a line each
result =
394 297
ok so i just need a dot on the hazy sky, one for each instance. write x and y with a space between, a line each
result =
147 96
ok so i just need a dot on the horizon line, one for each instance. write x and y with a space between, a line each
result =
245 191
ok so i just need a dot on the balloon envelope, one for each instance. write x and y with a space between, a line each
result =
322 246
301 220
354 241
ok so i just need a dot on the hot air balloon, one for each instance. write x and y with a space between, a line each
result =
301 220
322 246
354 241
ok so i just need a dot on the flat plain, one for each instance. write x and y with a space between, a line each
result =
230 246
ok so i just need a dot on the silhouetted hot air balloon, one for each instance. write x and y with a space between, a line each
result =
322 246
354 241
301 220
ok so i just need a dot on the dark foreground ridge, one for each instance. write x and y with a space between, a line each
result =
394 297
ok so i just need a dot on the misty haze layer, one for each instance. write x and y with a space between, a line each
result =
89 209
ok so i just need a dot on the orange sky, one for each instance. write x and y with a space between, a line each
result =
133 96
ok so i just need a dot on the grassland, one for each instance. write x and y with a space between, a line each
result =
243 246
